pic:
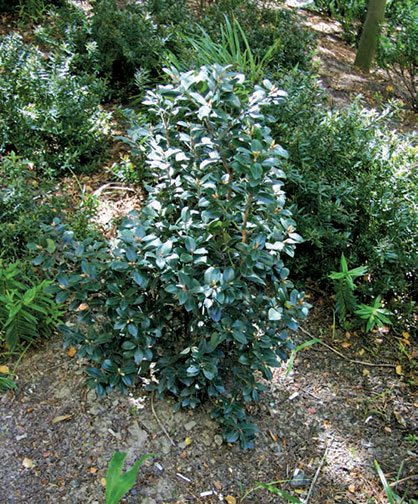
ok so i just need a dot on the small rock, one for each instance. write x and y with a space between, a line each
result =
299 479
165 445
218 440
137 435
190 425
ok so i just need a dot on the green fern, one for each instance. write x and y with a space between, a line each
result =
344 286
26 309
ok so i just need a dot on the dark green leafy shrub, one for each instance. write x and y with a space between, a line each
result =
29 8
46 113
351 181
197 284
23 207
27 202
26 310
127 40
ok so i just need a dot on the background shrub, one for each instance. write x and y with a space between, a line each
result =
46 113
351 181
398 50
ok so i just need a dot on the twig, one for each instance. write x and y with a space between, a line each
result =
403 479
362 363
159 421
316 476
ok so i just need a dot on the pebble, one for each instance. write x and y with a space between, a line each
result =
190 425
218 440
299 479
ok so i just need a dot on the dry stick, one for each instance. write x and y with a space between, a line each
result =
346 358
316 476
403 479
159 421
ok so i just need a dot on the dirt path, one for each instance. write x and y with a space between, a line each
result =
56 439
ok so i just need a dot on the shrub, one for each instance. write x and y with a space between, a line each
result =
22 207
46 113
351 181
197 284
26 202
398 50
28 8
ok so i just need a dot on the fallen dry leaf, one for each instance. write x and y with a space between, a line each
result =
361 352
217 485
72 351
273 437
61 418
27 462
4 369
345 344
93 470
187 441
398 370
103 481
366 372
405 335
230 500
352 488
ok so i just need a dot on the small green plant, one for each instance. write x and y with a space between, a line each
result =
117 484
6 380
26 309
232 49
272 488
373 314
393 498
344 287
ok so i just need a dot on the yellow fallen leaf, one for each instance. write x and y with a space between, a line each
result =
361 352
366 372
345 344
27 462
352 488
103 481
405 335
299 491
61 418
72 351
93 470
187 441
230 500
398 370
4 369
82 307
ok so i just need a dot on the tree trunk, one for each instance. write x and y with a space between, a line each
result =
370 34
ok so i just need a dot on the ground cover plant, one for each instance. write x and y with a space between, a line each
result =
197 284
